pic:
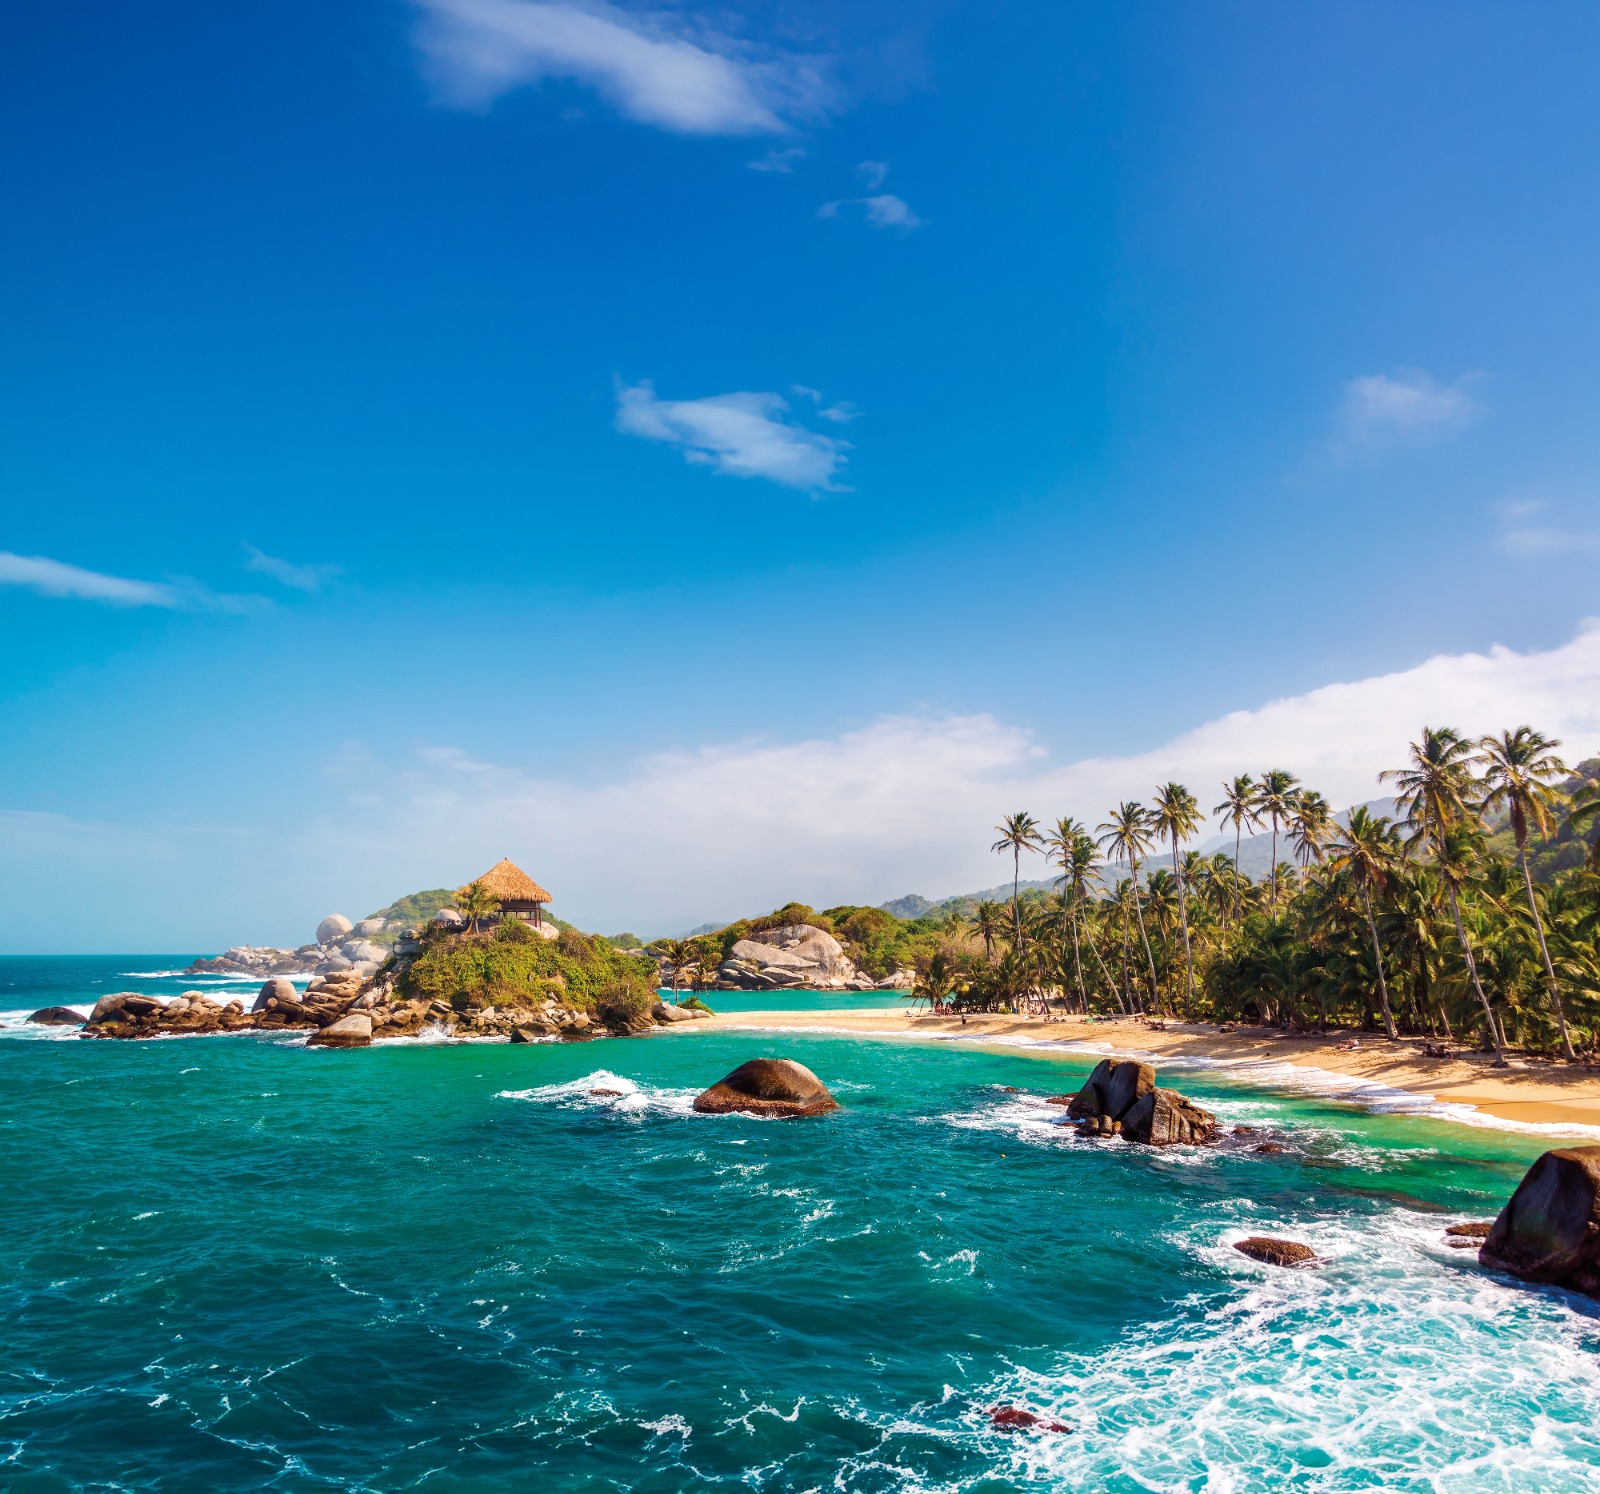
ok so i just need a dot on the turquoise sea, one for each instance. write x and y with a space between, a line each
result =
236 1263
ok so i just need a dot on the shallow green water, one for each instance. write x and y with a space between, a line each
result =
237 1263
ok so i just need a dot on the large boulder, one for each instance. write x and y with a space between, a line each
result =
768 1086
119 1006
1549 1230
354 1031
812 953
1113 1089
1163 1117
370 926
333 928
363 952
57 1016
276 989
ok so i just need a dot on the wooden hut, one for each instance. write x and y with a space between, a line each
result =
519 895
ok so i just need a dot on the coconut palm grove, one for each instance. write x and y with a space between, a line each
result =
1470 912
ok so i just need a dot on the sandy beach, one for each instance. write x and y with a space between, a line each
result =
1530 1091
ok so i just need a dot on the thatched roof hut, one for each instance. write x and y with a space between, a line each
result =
517 892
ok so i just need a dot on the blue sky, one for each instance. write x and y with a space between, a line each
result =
721 455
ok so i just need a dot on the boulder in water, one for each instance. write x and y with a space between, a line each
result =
57 1016
275 989
1115 1086
1163 1117
119 1006
1015 1419
768 1086
1549 1230
1275 1252
354 1031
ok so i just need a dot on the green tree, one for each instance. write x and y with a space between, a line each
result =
988 923
1366 852
1126 836
1066 844
1275 803
476 903
1438 797
1518 769
1018 833
1176 819
1311 826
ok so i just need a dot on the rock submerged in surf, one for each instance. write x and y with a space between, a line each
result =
1549 1230
1015 1419
1121 1098
768 1086
1275 1252
57 1016
353 1031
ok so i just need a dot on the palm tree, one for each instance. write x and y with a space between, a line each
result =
1018 833
1437 794
1365 852
1311 826
1241 801
1127 836
475 903
1176 819
988 923
1585 810
1065 844
680 954
1518 767
1275 802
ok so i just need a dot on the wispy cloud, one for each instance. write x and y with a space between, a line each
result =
873 173
778 160
55 578
742 435
841 412
300 577
883 211
664 68
1382 408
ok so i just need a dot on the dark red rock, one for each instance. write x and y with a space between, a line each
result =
1015 1419
768 1086
1275 1252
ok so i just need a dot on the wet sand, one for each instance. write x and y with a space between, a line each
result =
1530 1091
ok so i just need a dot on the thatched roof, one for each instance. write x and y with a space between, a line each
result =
511 884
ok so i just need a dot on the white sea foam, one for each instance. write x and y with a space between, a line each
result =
604 1090
1390 1366
1278 1074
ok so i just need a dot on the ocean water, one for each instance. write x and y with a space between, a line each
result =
236 1263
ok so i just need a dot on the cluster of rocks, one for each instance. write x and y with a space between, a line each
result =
344 1008
1121 1098
799 955
340 945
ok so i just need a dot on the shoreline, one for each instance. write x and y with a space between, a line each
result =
1378 1074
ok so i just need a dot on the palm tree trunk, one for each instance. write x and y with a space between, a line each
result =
1183 915
1544 949
1274 866
1477 985
1016 882
1238 830
1077 965
1377 955
1126 981
1144 935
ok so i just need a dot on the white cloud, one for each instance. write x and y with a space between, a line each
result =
299 577
883 211
906 804
1542 541
742 435
873 172
657 67
1380 408
54 578
778 160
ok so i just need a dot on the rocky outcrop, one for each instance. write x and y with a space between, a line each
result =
796 955
333 928
1275 1252
352 1031
279 988
1165 1118
1120 1098
665 1013
768 1086
57 1016
1468 1236
1549 1230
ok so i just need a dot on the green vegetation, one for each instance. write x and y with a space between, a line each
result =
1478 913
511 965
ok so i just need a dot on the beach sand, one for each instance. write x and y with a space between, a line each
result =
1529 1091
